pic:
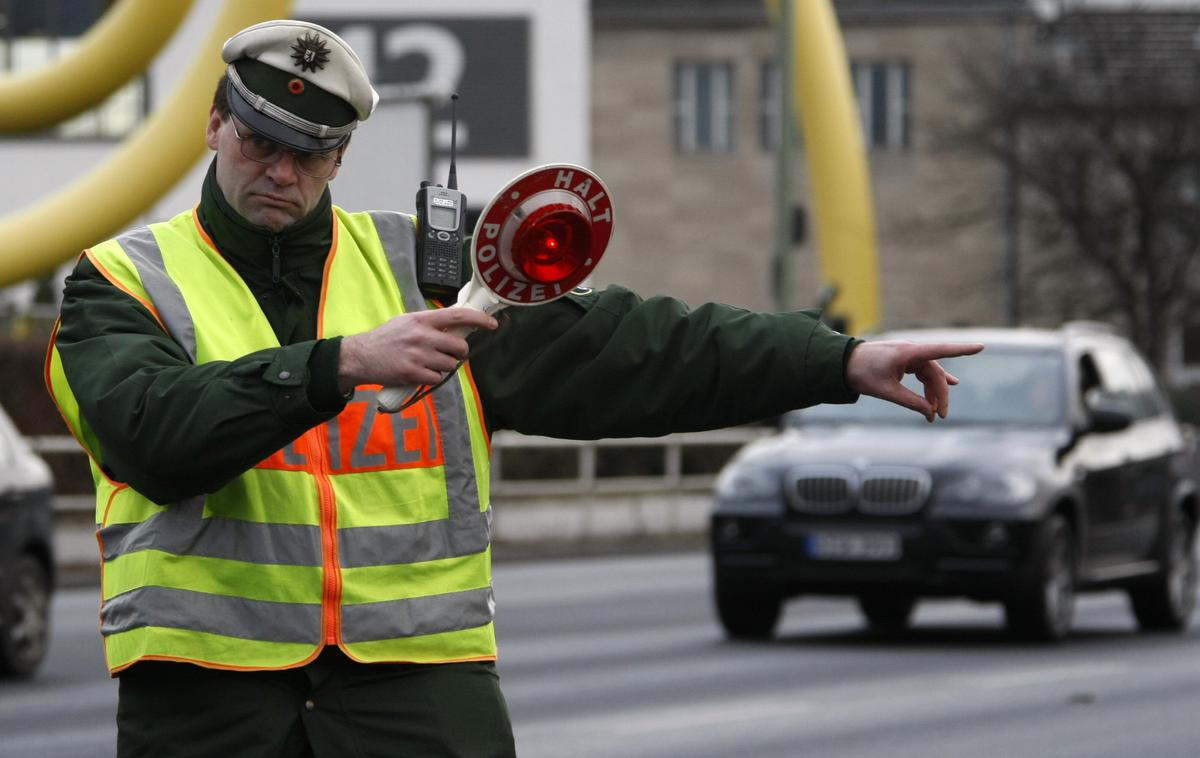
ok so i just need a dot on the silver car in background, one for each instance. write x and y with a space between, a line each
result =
27 573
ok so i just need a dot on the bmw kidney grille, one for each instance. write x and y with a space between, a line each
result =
877 491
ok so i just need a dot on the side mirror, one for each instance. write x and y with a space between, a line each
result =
1109 414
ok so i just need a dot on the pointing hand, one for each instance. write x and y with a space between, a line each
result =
877 368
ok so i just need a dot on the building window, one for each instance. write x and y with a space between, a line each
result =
883 91
770 99
1184 357
35 33
1191 345
704 107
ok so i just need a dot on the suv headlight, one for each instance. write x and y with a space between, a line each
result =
736 484
1009 488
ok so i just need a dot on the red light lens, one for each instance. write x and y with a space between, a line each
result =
552 246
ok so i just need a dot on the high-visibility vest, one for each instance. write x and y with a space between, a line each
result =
370 531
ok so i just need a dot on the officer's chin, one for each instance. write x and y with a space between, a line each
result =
272 218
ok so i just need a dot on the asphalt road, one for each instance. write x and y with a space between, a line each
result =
622 657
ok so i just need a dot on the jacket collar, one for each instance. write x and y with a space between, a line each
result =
250 248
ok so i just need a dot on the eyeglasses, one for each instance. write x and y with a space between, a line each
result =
262 150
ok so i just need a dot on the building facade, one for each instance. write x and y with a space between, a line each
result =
684 115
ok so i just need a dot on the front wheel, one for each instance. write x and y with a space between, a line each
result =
1042 606
1166 601
25 618
747 612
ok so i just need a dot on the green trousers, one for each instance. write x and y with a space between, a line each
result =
331 708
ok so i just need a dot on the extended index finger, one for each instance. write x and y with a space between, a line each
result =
933 351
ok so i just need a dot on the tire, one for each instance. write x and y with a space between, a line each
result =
887 612
1042 606
1166 601
25 618
745 612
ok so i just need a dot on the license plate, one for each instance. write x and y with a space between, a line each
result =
854 546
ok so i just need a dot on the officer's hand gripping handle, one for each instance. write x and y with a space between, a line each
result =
472 295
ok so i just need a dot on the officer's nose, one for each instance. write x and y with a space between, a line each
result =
283 170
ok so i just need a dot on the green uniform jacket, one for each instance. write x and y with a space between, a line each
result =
590 365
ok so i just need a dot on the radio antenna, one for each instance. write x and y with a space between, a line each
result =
452 180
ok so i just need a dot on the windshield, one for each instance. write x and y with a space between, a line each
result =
1020 386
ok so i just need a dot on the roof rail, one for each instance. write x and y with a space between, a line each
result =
1091 326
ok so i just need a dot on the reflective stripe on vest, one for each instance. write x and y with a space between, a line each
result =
143 250
372 530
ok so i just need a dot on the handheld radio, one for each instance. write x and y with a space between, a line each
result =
441 225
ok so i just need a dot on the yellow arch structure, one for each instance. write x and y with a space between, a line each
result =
117 48
836 158
137 174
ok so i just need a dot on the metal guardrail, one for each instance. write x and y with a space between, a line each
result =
586 480
57 443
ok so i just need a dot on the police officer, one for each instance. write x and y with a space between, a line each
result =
285 571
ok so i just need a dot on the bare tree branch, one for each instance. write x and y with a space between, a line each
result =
1099 116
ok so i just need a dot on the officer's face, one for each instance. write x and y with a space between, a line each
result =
275 195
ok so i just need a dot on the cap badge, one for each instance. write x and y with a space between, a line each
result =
310 52
296 86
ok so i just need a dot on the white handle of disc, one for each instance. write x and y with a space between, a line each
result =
472 295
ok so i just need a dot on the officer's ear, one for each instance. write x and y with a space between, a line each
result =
212 136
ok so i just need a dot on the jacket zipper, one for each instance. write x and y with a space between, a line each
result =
275 260
331 591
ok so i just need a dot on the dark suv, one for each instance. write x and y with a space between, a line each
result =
26 557
1061 468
